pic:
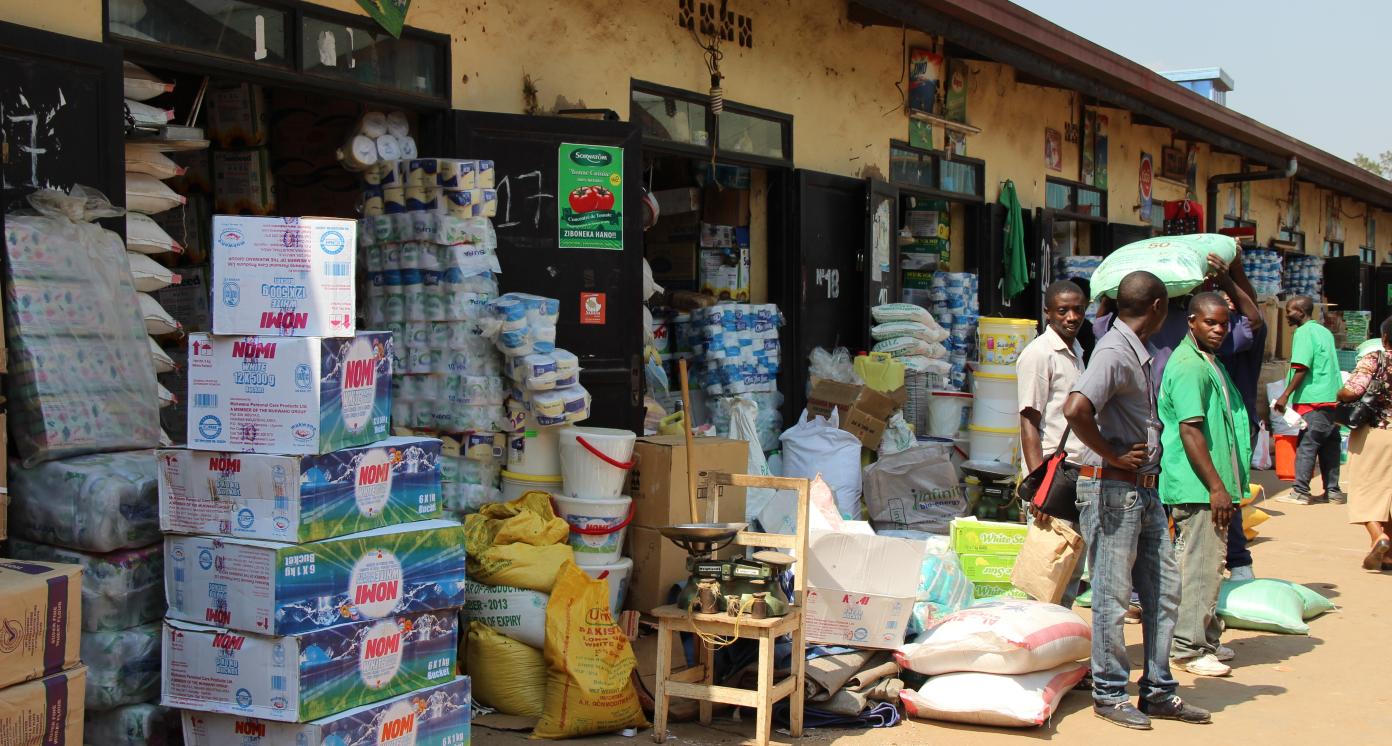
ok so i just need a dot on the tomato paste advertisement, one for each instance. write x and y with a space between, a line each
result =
590 197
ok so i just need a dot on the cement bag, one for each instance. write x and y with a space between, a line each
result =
520 543
819 446
145 236
123 666
915 490
1005 636
508 676
1270 605
1181 262
119 589
133 725
515 612
1019 701
96 503
744 414
588 663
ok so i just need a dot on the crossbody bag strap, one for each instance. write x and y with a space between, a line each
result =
1063 441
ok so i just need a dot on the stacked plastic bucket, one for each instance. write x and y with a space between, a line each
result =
994 433
595 462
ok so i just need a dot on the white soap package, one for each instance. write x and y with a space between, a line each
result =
123 666
120 589
284 276
100 502
288 395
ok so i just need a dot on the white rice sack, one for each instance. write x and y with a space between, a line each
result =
163 362
1019 701
157 320
147 159
515 612
145 236
120 589
900 312
133 725
95 503
1006 637
929 332
123 666
920 364
149 275
145 115
905 347
148 195
141 84
167 398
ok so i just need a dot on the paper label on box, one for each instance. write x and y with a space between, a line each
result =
290 277
47 712
845 618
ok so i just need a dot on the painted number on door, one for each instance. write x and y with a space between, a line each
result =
831 280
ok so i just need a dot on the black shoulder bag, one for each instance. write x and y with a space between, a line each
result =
1052 487
1364 411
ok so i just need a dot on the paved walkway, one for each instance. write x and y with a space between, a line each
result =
1317 690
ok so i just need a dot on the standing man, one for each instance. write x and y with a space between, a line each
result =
1241 355
1206 452
1112 410
1313 388
1047 369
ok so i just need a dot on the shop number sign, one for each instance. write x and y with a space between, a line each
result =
591 208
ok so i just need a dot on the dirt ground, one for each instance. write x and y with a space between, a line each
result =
1285 689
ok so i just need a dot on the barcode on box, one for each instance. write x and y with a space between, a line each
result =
336 269
205 401
178 575
278 683
282 502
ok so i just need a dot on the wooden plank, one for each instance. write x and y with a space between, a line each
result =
690 675
723 694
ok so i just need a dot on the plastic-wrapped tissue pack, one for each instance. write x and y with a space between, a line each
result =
123 666
95 503
120 589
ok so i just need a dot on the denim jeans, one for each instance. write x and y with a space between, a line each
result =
1320 439
1128 542
1199 549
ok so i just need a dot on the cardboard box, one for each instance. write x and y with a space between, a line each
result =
726 206
243 183
42 619
47 712
188 302
677 201
860 589
673 263
437 716
238 116
986 590
724 273
974 536
291 277
300 678
864 412
288 395
283 589
300 498
658 480
987 568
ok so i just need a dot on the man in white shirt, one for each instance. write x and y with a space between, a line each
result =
1046 371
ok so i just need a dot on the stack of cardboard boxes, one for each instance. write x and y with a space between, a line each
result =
987 551
312 587
44 683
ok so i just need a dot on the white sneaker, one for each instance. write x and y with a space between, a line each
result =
1206 665
1241 573
1225 653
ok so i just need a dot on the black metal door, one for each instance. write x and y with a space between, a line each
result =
830 229
1120 234
1343 285
880 260
525 150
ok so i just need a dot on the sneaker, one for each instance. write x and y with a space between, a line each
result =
1205 665
1296 498
1175 708
1337 498
1123 714
1374 559
1238 574
1224 653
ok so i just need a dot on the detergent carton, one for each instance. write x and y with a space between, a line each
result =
437 716
298 678
288 395
300 498
283 589
289 277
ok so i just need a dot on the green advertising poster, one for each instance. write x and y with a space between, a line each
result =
591 211
391 14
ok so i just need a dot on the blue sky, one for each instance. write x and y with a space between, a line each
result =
1313 70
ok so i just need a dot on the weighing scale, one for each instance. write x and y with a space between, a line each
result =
997 483
750 579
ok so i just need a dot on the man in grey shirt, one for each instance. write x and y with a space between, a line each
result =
1112 411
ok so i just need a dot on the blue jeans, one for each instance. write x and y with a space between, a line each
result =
1321 441
1128 542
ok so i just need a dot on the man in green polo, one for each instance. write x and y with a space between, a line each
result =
1203 474
1312 387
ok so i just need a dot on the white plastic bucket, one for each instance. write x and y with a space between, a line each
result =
617 573
947 413
992 443
597 527
515 485
997 401
999 342
595 461
535 451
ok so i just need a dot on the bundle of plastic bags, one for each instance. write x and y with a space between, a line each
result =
95 503
120 589
123 666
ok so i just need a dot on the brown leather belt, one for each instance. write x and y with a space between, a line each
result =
1130 477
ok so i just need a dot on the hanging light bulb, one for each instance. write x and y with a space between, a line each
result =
717 95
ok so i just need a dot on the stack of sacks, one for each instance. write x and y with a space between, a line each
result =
469 471
1304 275
986 551
955 307
378 138
913 337
1263 268
43 680
80 375
1003 663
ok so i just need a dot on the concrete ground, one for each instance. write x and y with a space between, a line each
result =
1330 687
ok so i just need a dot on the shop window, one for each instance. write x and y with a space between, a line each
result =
933 172
743 133
684 119
246 31
1075 199
670 118
1292 236
368 55
1368 251
1332 248
1367 255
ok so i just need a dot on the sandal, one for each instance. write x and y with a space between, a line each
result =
1373 561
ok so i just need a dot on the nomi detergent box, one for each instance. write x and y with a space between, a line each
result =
300 498
299 678
283 589
290 277
46 712
42 620
437 716
286 395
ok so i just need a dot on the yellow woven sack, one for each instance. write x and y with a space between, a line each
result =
520 543
507 675
588 662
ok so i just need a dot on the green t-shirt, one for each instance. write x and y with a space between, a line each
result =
1197 386
1312 347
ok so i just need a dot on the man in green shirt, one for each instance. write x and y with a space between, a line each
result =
1312 387
1203 474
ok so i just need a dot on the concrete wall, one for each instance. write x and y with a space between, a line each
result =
80 18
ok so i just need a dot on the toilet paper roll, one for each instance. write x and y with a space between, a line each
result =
373 124
397 124
388 148
359 153
408 147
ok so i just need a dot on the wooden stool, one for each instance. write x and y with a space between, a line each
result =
698 682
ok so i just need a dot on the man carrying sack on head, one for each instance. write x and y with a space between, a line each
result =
1203 474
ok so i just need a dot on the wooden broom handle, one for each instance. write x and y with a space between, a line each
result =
690 447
